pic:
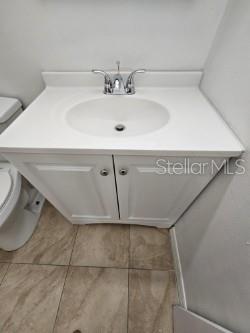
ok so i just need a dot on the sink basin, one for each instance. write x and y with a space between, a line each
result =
117 116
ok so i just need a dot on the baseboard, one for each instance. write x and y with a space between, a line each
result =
178 269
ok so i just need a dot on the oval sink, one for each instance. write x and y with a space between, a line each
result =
117 116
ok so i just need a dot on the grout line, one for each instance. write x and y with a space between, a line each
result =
60 299
59 304
5 262
128 301
37 264
152 270
129 246
131 268
74 243
92 266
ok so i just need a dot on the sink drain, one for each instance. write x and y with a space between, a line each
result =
120 128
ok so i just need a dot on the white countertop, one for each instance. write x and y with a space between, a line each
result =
195 128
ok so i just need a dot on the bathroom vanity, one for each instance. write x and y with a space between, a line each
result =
139 159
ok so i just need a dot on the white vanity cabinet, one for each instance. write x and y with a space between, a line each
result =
82 187
72 132
129 189
156 191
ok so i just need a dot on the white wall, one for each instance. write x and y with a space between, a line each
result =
212 235
38 35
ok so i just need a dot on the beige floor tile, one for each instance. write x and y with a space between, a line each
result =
51 243
30 296
101 245
151 296
3 270
150 248
94 301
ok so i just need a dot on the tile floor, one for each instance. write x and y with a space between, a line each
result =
95 279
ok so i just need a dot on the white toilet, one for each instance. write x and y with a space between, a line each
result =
20 203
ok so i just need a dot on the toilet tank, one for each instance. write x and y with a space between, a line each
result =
10 109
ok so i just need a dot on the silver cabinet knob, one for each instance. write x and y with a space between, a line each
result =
104 172
123 172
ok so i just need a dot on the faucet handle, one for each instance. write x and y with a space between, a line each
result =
130 84
108 85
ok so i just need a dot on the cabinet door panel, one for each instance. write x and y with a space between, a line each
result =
74 184
146 195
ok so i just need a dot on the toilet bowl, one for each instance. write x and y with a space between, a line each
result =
20 203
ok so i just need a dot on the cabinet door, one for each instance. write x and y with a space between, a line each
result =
146 196
74 184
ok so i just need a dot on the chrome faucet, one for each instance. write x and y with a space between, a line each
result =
114 85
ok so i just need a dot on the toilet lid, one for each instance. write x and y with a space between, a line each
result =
5 186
